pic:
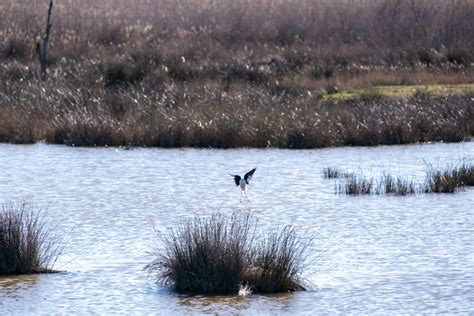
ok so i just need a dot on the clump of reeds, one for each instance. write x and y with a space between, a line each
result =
356 186
437 181
451 180
396 186
387 184
26 245
277 263
334 173
466 172
220 255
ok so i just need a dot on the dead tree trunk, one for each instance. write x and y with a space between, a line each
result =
42 46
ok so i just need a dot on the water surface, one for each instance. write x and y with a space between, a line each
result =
372 254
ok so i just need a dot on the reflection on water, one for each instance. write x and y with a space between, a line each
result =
229 304
372 254
233 304
12 284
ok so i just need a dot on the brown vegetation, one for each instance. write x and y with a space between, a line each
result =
26 245
221 255
448 180
234 73
333 173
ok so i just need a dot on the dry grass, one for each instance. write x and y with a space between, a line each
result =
448 180
208 117
26 245
277 263
206 73
333 173
220 255
397 186
356 186
466 173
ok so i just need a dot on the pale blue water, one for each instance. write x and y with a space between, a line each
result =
372 254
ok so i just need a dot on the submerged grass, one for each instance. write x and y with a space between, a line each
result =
26 244
396 186
356 186
333 173
451 180
466 173
222 255
437 181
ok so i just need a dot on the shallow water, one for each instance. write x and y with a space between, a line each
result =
372 254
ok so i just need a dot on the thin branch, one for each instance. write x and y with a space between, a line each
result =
42 48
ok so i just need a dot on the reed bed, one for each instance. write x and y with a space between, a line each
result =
223 255
356 186
333 173
211 74
466 173
207 117
396 186
448 180
26 244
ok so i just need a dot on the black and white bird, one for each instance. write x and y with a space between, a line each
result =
243 182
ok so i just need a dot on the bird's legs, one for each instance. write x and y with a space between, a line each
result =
241 193
246 196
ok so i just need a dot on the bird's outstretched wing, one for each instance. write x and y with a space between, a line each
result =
236 179
248 175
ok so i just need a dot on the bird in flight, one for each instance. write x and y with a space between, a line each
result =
243 182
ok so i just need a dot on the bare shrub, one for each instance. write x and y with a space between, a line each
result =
15 48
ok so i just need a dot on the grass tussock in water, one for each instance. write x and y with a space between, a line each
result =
222 255
26 244
451 180
277 263
396 186
334 173
356 186
448 180
466 173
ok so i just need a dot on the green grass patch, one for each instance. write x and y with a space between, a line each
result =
400 91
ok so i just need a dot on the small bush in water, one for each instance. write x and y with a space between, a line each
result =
220 255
